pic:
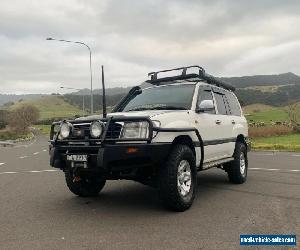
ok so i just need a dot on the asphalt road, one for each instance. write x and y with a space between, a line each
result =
37 211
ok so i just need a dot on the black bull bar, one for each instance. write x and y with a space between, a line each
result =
103 138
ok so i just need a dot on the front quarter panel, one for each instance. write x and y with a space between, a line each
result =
174 120
177 120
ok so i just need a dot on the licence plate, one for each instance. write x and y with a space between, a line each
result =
80 158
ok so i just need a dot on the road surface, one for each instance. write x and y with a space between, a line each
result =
39 212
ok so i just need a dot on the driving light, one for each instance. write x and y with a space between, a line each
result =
65 129
96 129
135 130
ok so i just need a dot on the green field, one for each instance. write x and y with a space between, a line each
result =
265 113
273 114
52 107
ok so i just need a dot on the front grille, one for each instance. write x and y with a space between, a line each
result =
82 131
114 131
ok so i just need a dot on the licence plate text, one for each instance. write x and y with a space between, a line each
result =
81 158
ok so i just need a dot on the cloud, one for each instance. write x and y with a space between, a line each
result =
132 38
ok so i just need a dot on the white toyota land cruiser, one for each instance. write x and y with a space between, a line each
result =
159 136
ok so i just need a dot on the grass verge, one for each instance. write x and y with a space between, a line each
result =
45 129
289 142
11 135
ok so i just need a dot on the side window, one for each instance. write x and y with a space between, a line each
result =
233 104
221 104
205 94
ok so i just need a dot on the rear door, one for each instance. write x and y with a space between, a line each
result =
239 123
225 122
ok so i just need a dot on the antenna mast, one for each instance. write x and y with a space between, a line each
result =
103 94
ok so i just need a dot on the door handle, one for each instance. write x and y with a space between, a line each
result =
233 121
218 122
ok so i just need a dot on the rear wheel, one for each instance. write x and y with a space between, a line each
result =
83 186
178 179
238 168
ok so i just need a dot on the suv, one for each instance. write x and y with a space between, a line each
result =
160 136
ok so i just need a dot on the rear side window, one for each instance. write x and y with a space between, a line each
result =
233 104
222 104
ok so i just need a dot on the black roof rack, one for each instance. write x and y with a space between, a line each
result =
184 76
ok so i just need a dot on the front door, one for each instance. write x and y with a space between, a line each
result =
211 127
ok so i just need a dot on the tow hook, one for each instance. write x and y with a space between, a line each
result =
76 179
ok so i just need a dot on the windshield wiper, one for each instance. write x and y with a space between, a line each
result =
157 108
138 109
168 108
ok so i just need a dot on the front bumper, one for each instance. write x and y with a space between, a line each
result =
109 153
114 157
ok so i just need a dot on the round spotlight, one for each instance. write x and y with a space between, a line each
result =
65 129
96 129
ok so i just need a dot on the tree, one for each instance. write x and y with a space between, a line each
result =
22 117
3 118
293 111
8 104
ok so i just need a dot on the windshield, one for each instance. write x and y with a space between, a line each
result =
169 97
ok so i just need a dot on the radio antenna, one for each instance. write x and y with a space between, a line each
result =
103 94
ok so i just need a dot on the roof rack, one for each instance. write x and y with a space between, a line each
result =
184 76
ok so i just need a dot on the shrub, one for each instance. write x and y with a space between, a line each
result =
2 124
275 130
49 121
3 118
22 117
296 128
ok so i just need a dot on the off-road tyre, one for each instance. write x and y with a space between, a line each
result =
168 179
85 187
237 173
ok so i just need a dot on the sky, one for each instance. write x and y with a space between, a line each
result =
133 37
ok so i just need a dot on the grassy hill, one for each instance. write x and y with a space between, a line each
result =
268 88
52 106
254 108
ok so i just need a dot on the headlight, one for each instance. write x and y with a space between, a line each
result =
65 129
96 129
135 130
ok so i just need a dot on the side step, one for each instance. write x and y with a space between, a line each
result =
211 164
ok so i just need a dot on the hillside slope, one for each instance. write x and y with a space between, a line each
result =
52 107
275 90
263 80
5 98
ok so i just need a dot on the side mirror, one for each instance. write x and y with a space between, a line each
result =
206 106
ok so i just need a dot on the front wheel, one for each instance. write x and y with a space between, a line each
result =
237 169
84 186
178 179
